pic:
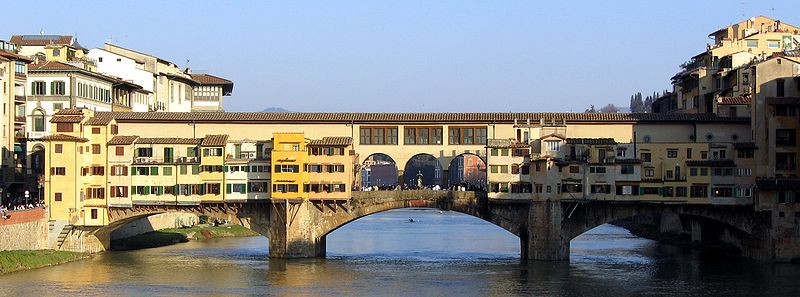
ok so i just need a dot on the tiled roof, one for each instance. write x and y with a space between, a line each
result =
99 120
41 40
283 117
505 143
169 140
14 56
592 141
63 137
67 119
738 100
208 79
70 111
778 183
711 163
122 140
332 141
627 161
214 140
51 65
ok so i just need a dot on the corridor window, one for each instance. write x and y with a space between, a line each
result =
467 135
378 135
422 135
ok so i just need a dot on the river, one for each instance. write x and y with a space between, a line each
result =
447 254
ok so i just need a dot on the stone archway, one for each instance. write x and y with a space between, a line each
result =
379 170
423 170
468 170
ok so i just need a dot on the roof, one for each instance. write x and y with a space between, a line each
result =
41 40
505 143
123 139
484 118
738 100
711 163
331 141
63 137
66 119
169 140
778 183
99 120
214 140
208 79
15 56
70 111
58 66
592 141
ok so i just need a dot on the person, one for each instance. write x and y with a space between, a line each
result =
410 220
3 212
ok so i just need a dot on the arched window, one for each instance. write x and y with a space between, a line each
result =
37 159
38 120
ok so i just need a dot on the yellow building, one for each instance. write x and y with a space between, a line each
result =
289 157
330 168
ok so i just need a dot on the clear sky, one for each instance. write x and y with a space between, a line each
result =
408 56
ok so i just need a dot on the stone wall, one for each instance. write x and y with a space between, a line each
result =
155 223
24 230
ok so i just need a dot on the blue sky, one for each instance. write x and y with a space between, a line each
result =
408 56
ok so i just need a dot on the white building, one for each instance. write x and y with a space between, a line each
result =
129 70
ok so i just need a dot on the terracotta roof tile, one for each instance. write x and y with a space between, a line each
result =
63 137
99 120
208 79
214 140
41 40
168 140
332 141
123 140
51 65
14 56
592 141
284 117
738 100
70 111
66 119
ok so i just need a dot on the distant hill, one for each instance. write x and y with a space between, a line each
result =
275 109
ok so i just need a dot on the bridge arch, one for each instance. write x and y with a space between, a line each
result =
734 225
424 169
469 170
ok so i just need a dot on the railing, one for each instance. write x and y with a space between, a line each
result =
146 160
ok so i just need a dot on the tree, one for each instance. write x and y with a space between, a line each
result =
637 105
610 108
591 109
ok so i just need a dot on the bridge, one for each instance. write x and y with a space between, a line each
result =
298 228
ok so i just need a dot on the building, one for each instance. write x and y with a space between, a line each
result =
56 48
15 176
208 92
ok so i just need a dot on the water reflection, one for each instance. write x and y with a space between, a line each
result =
384 255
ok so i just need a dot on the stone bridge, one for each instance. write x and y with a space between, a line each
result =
298 228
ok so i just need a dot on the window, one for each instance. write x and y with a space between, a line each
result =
212 152
94 213
784 110
422 135
688 153
668 174
745 153
553 145
64 127
95 149
597 169
467 135
59 148
773 43
57 197
785 161
574 169
213 188
58 87
672 153
751 43
785 137
144 152
119 170
258 187
120 151
704 155
600 189
285 188
649 171
703 171
780 87
114 129
167 171
98 170
287 168
646 157
680 191
38 121
693 171
699 191
621 152
668 191
56 52
651 191
58 171
38 88
378 135
626 169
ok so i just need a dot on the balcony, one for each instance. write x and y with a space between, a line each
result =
20 99
161 160
19 120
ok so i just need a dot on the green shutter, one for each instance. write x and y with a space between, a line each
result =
228 188
243 189
52 87
153 170
225 168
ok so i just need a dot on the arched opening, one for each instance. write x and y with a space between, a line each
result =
378 170
467 170
433 235
37 159
422 170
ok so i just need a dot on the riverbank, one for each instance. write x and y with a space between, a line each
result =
12 261
172 236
